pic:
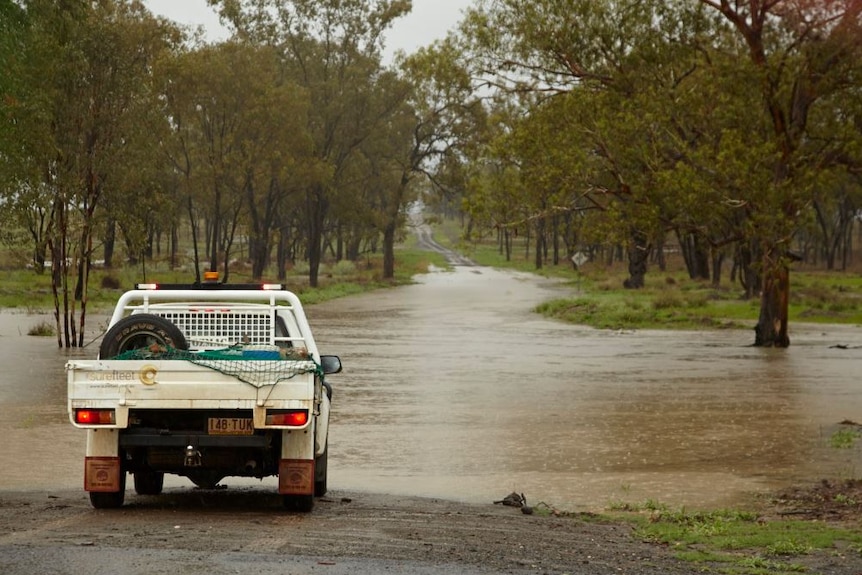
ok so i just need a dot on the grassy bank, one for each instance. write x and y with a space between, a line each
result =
27 290
742 542
670 299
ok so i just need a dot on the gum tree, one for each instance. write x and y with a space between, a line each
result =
655 153
804 58
85 83
596 81
332 50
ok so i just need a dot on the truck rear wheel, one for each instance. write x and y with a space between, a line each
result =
141 331
149 482
110 500
320 472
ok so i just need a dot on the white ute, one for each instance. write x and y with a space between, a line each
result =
204 381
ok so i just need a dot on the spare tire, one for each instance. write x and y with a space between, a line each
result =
141 331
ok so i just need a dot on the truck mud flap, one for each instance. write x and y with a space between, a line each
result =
296 477
102 474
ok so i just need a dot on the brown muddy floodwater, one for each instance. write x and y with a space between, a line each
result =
454 388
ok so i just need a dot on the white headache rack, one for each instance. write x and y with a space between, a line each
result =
212 328
246 317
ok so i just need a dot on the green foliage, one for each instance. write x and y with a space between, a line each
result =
119 130
85 139
684 117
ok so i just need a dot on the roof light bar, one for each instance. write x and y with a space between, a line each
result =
209 285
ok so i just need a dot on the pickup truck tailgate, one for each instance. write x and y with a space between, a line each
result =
178 384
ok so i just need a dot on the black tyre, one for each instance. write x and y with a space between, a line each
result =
299 503
112 500
149 482
141 331
320 464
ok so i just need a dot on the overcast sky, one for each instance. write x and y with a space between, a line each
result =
428 21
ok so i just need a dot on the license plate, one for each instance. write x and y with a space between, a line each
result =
230 426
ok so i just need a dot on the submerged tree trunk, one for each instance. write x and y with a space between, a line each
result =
771 328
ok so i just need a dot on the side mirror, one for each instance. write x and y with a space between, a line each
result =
330 363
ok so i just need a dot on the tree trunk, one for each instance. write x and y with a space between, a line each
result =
317 207
110 240
540 242
195 248
660 258
389 251
749 277
717 261
216 230
556 240
638 253
771 328
695 255
175 240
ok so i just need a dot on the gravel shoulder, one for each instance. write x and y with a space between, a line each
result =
230 531
220 530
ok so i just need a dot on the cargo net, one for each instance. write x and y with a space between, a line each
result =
257 365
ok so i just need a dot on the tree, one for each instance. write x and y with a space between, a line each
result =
597 80
801 56
238 138
660 131
84 82
439 118
332 50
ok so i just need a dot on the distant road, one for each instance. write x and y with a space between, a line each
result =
425 241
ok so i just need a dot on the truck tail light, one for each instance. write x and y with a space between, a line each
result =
293 417
95 416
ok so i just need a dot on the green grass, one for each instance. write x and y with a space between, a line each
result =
26 289
729 541
670 299
844 438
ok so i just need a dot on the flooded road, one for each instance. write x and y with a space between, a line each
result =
453 388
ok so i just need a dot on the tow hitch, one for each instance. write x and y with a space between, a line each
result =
193 457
